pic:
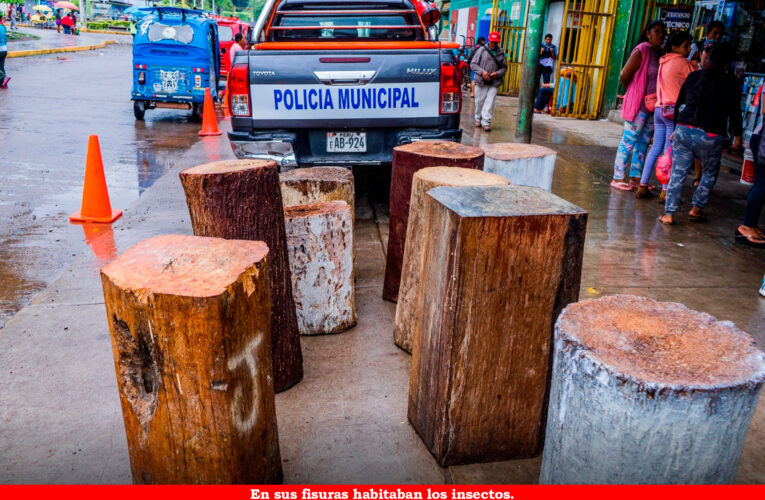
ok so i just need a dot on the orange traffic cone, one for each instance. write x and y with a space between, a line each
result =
226 110
95 196
209 120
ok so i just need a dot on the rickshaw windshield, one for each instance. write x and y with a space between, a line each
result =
182 33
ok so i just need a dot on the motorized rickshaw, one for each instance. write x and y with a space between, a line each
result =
176 56
228 27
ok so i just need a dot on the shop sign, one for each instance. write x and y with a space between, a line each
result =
676 19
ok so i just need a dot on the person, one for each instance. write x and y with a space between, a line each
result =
12 12
58 20
4 78
74 22
239 44
133 28
478 44
639 76
749 232
547 56
66 22
489 65
709 104
674 68
715 32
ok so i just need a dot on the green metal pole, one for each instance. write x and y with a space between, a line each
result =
534 28
622 24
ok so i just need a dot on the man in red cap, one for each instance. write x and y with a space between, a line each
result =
489 65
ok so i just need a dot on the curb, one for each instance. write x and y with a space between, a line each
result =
105 32
58 50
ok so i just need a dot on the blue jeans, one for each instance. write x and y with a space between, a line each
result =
690 142
635 138
663 129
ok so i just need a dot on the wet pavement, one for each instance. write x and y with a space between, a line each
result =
60 419
53 104
48 39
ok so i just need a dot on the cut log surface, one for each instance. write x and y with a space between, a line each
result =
408 159
411 294
494 265
320 242
241 199
314 185
648 392
521 164
190 325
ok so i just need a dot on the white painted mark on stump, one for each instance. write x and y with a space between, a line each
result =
245 420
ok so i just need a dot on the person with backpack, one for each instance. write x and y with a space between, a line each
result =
674 68
480 42
489 65
709 104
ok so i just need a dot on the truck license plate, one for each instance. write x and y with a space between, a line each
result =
346 142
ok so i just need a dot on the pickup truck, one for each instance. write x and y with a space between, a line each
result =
342 82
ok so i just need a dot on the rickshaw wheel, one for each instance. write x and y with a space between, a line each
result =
139 108
196 111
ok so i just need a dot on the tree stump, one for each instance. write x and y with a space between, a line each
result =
408 159
494 269
648 392
320 243
410 294
242 200
521 164
190 326
313 185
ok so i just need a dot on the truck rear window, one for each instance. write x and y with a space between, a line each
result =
332 26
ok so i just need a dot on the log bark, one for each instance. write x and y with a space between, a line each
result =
648 392
314 185
521 164
407 159
320 243
190 326
411 294
242 200
494 263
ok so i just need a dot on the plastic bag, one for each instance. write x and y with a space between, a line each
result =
664 167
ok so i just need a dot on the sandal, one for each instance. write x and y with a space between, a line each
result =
620 185
671 222
749 240
634 182
701 217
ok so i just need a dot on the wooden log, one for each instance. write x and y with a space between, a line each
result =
313 185
648 392
521 164
411 294
320 243
494 265
407 159
242 200
190 326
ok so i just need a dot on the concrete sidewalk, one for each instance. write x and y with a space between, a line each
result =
51 42
60 418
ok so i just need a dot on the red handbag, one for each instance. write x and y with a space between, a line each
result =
664 167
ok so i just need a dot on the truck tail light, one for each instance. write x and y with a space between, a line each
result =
451 95
141 77
239 90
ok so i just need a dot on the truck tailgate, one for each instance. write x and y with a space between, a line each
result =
344 89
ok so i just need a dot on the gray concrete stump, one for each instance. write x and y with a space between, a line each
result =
521 164
320 246
647 392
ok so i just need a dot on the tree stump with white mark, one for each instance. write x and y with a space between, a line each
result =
320 243
499 262
190 326
521 164
241 200
314 185
407 159
411 294
648 392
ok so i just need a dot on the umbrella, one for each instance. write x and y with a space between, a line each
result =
42 8
66 5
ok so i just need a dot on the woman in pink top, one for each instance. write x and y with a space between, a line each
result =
674 68
639 76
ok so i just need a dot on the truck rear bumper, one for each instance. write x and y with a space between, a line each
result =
307 147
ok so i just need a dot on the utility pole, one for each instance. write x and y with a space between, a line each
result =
535 24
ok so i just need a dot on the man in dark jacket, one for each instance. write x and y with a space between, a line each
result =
489 65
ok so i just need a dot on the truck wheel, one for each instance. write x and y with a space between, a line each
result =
139 108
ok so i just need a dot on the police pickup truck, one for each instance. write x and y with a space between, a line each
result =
341 82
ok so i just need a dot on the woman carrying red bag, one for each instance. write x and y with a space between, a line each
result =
674 68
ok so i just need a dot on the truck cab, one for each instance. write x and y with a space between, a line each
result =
342 82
